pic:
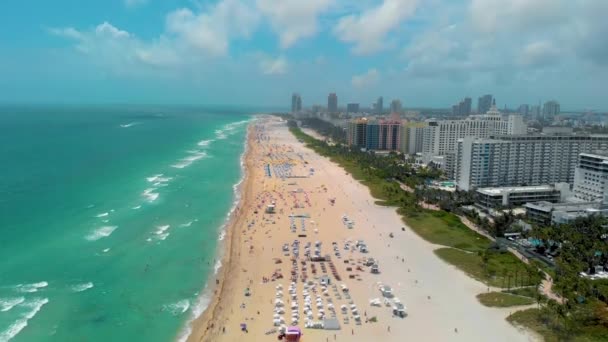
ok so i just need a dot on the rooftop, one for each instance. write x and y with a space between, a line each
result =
547 206
512 189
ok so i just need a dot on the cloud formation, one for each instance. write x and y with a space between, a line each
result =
367 79
293 20
273 66
368 30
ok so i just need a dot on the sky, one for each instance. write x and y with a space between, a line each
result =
426 53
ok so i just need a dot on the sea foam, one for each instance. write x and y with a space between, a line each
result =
185 162
100 233
31 288
161 232
177 308
82 287
8 303
150 195
15 328
205 143
102 214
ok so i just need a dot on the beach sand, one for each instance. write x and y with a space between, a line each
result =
438 297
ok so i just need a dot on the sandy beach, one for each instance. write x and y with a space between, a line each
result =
315 202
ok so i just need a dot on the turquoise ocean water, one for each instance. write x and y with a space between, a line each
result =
110 218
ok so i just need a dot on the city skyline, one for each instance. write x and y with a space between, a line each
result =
427 54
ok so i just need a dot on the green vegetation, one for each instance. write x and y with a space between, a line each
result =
496 269
577 247
503 300
445 229
549 326
529 291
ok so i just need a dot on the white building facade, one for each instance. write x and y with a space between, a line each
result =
591 178
521 160
441 137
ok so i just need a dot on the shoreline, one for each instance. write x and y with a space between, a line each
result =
197 329
407 262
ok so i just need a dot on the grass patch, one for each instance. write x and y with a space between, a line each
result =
531 292
545 325
446 229
503 300
499 271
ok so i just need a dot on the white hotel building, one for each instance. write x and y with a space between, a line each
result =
441 137
522 160
591 178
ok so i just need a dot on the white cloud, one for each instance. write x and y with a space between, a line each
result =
293 20
510 40
368 79
188 38
368 31
273 66
541 53
491 16
135 3
211 31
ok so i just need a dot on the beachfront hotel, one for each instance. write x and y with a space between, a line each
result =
376 135
522 160
591 178
440 137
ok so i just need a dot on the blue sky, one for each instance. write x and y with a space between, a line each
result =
257 52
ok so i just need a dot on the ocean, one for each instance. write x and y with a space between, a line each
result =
111 217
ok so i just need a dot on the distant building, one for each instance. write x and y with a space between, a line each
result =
379 106
591 178
551 109
412 137
521 160
396 107
484 104
296 103
383 135
352 108
357 133
524 109
463 108
332 103
535 112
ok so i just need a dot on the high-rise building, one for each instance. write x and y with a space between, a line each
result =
296 103
524 109
396 107
484 104
522 160
352 108
375 134
465 108
441 137
550 110
455 110
411 137
535 112
462 108
591 178
379 107
332 103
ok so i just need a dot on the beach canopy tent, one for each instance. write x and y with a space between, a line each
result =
331 324
293 334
